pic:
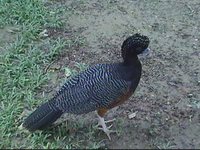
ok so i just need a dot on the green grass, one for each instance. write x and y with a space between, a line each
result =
22 76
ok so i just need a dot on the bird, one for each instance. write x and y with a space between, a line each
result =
99 88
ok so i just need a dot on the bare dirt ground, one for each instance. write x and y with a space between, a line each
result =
167 100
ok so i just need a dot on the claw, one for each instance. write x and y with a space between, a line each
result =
102 122
110 126
108 133
108 121
107 127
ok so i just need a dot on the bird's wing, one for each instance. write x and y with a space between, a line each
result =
94 88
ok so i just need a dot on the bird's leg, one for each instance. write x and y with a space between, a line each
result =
108 121
102 122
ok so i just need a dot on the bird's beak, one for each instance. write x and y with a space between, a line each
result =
146 52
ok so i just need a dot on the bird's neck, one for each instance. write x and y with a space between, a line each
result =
132 69
131 61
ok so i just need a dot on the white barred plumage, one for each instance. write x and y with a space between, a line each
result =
100 87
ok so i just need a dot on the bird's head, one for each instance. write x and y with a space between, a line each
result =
135 45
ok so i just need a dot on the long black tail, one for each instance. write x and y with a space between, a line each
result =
41 117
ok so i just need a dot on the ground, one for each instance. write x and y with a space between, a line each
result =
166 104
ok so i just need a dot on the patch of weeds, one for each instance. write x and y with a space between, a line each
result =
119 126
163 144
81 67
31 15
78 68
52 47
22 74
68 134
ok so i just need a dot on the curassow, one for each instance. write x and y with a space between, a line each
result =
98 88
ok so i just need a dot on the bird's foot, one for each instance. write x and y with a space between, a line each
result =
102 122
108 121
107 131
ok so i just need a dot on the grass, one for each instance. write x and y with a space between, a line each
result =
22 76
163 144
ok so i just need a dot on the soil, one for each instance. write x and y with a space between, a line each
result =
167 101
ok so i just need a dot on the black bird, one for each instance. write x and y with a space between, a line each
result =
98 88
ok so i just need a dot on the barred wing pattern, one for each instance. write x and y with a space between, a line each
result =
94 88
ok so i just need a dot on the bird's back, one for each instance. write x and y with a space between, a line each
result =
94 88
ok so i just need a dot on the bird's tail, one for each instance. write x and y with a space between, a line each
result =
42 117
